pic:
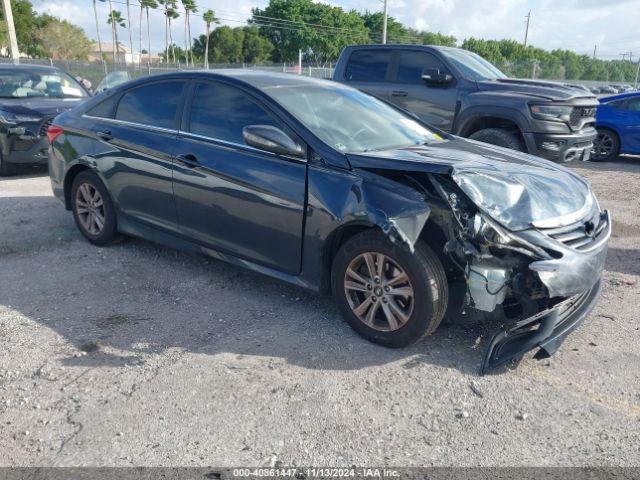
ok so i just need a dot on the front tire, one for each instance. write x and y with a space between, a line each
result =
499 137
387 294
6 169
93 210
606 146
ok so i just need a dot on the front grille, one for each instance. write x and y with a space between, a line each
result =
45 126
579 235
578 114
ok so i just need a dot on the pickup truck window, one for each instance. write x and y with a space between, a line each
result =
472 66
411 64
352 121
368 65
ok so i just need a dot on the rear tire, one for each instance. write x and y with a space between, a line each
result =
398 310
93 210
499 137
606 146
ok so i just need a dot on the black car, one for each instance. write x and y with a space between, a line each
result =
460 92
329 188
30 97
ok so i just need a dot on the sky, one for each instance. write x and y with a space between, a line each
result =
578 25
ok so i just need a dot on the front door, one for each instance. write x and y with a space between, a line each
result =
435 105
232 197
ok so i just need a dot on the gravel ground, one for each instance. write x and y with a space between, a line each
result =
139 355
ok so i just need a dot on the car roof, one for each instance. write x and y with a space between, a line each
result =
4 67
400 46
620 96
259 79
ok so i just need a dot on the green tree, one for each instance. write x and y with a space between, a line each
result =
146 5
209 18
319 30
189 8
396 32
255 47
116 20
63 40
430 38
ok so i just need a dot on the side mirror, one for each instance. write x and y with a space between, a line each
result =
271 139
433 76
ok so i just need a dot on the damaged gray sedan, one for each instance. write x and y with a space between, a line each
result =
331 189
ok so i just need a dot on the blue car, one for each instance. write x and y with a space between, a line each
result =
618 126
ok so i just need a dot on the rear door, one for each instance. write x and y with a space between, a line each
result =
435 105
232 197
135 149
629 121
368 70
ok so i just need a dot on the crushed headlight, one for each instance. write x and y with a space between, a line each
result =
551 112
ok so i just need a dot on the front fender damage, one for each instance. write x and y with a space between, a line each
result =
398 209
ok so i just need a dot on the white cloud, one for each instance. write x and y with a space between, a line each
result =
573 24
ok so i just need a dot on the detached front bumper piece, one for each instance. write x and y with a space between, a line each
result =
545 330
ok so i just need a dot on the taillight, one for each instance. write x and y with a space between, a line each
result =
54 132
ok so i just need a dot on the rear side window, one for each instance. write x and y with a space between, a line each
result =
634 104
411 63
154 104
220 111
104 109
368 65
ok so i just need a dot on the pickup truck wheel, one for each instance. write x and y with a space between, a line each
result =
606 146
93 211
499 137
387 294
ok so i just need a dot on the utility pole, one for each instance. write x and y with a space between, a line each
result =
595 49
384 21
526 32
11 29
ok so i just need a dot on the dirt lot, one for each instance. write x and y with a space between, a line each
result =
140 355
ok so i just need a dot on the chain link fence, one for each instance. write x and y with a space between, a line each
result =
531 69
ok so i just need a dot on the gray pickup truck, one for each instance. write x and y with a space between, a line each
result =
460 92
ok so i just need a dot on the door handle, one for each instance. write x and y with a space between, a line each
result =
105 134
188 160
399 93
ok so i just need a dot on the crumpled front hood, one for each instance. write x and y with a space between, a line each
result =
516 189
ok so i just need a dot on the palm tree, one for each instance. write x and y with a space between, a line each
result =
129 26
147 4
171 14
189 7
209 17
115 19
95 13
113 33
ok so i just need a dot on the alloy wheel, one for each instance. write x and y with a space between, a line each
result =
603 145
379 291
90 208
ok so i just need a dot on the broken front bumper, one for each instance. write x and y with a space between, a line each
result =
546 330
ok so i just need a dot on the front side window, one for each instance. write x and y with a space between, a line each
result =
350 120
412 63
155 104
368 65
634 104
220 111
24 83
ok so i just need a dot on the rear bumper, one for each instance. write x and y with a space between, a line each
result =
562 147
545 330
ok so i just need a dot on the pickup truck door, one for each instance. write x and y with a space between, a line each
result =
629 124
435 105
229 196
368 70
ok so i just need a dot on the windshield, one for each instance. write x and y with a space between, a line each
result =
472 66
349 120
24 84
